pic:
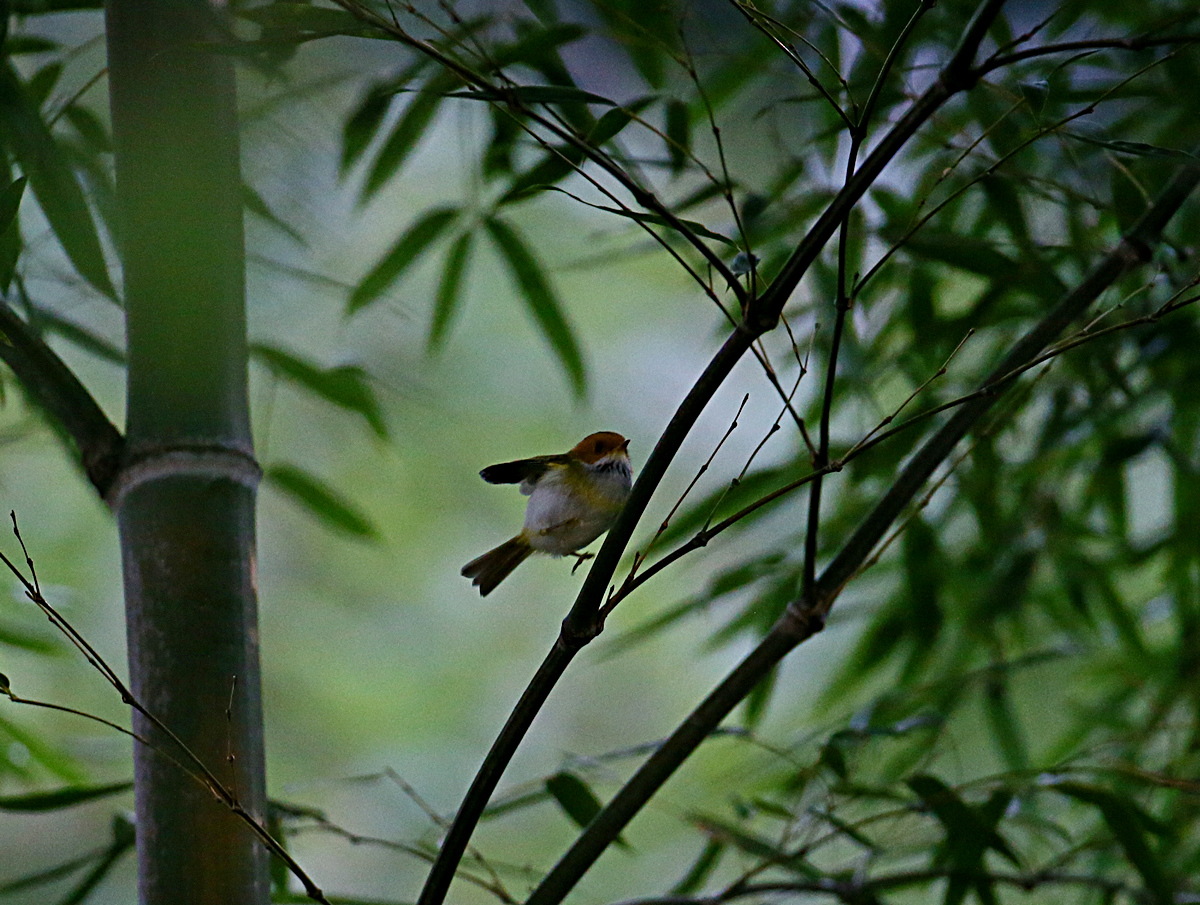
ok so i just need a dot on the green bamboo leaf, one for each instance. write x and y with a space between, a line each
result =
42 82
331 509
37 644
16 45
365 121
303 21
447 299
535 94
255 203
51 322
346 386
612 122
514 802
1127 822
967 830
361 127
679 135
392 265
543 304
1135 148
574 796
58 799
52 181
693 881
123 837
1002 720
536 47
554 167
89 127
657 220
10 233
405 135
38 7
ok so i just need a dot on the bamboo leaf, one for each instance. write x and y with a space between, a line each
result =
254 203
679 135
346 386
392 265
89 127
406 134
58 799
448 292
52 181
574 796
10 233
694 880
535 94
330 508
1127 823
365 121
535 288
611 123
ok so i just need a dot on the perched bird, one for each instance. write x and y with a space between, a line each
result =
573 499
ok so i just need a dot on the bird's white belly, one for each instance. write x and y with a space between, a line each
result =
559 521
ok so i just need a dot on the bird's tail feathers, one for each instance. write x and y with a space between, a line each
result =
495 565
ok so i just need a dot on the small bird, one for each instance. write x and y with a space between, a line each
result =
573 499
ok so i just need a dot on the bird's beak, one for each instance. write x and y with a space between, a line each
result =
625 446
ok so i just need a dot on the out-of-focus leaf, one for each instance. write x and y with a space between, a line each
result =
364 122
514 802
1128 823
58 799
123 837
256 205
42 83
694 880
540 298
576 799
346 386
534 46
58 193
43 754
963 824
408 247
89 127
535 94
21 44
658 220
679 135
39 7
446 302
555 166
330 508
1006 731
51 322
303 21
37 644
405 135
1136 148
758 699
10 234
612 122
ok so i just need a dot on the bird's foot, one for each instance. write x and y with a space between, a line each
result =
580 559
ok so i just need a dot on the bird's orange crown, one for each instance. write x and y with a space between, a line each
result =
594 447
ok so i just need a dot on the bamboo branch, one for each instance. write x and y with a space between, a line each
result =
59 393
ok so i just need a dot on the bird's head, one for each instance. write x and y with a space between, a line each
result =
601 446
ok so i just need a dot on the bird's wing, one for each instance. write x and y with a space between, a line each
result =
525 472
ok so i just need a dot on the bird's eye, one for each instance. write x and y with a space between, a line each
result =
599 447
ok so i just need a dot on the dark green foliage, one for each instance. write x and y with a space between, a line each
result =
329 507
